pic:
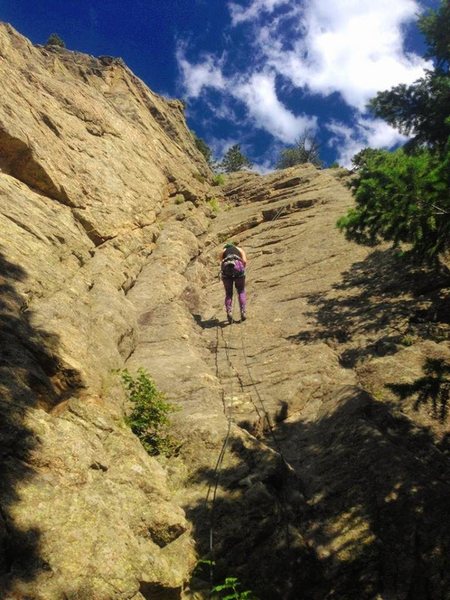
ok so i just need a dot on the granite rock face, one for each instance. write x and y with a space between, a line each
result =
89 157
313 438
346 351
335 469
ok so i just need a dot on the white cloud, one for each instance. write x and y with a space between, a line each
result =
351 47
207 73
263 167
354 47
380 134
257 92
266 110
367 132
240 14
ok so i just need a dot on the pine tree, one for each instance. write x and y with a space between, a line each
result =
305 150
55 40
403 196
234 160
422 108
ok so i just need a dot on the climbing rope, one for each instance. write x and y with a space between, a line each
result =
213 487
261 402
262 413
283 504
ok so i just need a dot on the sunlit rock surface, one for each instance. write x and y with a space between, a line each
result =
313 438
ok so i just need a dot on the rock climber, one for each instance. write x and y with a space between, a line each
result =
233 261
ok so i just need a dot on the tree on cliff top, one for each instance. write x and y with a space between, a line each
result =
234 160
55 40
305 150
403 196
423 108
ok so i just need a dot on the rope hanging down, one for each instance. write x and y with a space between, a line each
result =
213 487
217 469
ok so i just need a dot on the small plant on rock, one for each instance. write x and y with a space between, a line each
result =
149 417
407 340
179 199
214 205
228 590
218 179
55 40
203 147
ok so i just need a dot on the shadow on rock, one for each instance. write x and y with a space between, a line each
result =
209 323
248 525
381 300
377 486
366 515
31 375
432 389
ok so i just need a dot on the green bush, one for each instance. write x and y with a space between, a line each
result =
229 591
203 147
219 179
401 197
407 340
149 417
55 40
214 205
179 199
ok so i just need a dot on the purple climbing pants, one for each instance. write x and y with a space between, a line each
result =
239 282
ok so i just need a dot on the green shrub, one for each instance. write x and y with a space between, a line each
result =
402 198
55 40
229 591
305 150
149 417
219 179
214 205
179 199
407 340
203 147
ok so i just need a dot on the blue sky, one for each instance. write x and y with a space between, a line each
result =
254 72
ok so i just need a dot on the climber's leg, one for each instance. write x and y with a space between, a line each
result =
240 288
228 285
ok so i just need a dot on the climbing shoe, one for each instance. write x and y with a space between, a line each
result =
243 315
229 317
